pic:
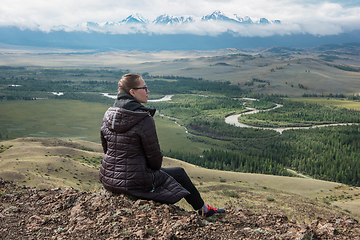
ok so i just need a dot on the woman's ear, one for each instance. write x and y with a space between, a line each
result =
132 92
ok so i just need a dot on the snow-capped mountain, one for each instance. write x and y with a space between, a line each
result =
137 18
137 23
167 19
264 21
218 16
92 25
245 19
140 22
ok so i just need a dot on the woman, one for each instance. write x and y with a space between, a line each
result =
132 161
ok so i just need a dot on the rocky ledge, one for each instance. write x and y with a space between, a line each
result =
30 213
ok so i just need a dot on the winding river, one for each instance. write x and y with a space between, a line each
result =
166 98
233 119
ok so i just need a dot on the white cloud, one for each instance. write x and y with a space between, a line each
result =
297 16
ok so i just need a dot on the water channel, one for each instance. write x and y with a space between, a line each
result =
233 119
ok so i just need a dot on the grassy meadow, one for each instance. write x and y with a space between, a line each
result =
51 118
72 119
174 137
350 104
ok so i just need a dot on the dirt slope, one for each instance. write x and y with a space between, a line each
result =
30 213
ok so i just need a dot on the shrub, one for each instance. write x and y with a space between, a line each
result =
230 193
270 199
326 201
203 189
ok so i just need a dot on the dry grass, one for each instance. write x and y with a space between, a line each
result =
293 196
29 162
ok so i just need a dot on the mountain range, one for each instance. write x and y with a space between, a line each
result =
140 24
167 19
215 16
165 32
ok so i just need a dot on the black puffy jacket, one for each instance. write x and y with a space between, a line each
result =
133 159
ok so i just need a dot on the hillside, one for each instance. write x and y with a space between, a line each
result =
72 214
49 163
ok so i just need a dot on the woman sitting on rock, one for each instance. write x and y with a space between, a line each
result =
132 161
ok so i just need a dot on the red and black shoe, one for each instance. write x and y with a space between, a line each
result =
211 211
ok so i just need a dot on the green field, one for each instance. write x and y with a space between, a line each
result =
51 118
71 119
173 137
350 104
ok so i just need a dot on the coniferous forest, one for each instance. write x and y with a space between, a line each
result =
328 153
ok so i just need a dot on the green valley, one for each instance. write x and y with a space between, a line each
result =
68 103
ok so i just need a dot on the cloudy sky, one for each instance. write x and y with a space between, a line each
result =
297 16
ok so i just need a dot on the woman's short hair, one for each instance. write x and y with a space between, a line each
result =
129 81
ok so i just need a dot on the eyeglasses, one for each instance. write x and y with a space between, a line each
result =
146 89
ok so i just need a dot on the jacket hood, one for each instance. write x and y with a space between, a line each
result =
125 113
120 120
128 102
125 100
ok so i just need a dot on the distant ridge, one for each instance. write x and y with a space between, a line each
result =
104 42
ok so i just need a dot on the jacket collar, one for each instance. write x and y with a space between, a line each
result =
128 102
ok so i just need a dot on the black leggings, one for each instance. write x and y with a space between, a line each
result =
179 174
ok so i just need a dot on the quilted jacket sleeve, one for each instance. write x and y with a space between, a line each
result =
102 137
151 145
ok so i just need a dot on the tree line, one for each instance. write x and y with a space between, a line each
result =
231 161
302 114
329 153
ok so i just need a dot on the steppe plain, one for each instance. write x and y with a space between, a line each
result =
283 68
